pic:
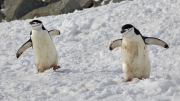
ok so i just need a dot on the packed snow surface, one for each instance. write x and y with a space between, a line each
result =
89 70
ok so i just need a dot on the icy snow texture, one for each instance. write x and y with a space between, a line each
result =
89 70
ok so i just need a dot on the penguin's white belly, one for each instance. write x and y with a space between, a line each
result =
44 51
135 58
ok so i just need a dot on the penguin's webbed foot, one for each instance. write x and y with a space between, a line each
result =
128 80
56 67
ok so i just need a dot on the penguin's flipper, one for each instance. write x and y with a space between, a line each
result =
24 47
115 44
155 41
54 32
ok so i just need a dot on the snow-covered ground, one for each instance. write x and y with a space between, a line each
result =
89 70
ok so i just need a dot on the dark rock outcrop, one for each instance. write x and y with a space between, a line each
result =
114 1
1 3
105 2
28 9
2 17
85 3
97 3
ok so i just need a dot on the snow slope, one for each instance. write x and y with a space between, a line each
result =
89 70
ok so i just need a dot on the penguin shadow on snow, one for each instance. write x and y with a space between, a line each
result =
66 71
134 53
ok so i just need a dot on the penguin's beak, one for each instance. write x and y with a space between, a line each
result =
123 31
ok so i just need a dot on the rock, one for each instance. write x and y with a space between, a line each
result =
2 17
2 6
105 2
46 0
115 1
16 9
1 3
28 9
97 3
85 3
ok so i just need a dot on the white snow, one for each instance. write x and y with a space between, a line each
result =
89 70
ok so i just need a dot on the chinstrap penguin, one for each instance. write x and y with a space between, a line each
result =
134 53
44 49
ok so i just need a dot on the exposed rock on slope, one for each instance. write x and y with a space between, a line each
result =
27 9
85 3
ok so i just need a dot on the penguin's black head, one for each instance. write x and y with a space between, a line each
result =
36 24
128 30
126 27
